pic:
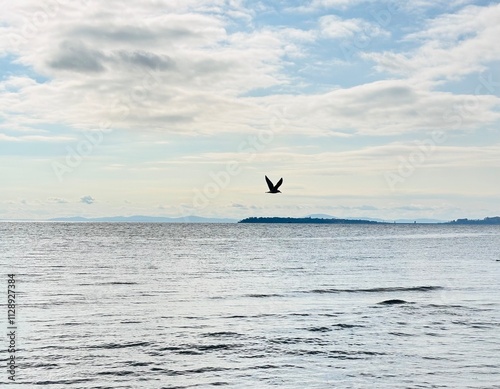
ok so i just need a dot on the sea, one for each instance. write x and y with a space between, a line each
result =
150 305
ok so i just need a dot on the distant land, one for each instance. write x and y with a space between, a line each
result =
316 220
420 220
312 219
306 220
487 220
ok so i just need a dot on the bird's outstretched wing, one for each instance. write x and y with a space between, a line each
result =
279 184
269 183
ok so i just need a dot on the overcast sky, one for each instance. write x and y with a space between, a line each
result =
366 108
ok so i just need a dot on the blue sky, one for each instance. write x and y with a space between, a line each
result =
366 108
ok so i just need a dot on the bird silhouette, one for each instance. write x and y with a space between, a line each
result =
274 188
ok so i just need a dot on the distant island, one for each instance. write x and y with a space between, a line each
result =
308 220
487 220
315 220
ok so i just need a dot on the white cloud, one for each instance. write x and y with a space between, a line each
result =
335 27
87 200
317 5
363 161
57 200
450 47
35 138
176 71
424 5
332 3
386 107
172 70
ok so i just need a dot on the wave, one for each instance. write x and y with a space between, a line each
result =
62 382
319 329
257 295
109 283
377 290
119 373
333 326
199 349
221 334
121 345
393 302
336 354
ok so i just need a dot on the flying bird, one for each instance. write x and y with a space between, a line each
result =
274 188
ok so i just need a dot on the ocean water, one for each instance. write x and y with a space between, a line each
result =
114 305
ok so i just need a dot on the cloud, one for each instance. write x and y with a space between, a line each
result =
332 3
57 200
364 161
189 68
87 200
384 108
317 5
35 138
76 56
335 27
416 208
367 208
144 59
156 68
424 5
202 78
449 47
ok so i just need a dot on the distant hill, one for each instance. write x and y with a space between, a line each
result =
144 219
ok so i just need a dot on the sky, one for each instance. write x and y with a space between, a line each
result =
383 109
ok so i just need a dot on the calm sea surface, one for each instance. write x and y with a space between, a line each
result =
114 305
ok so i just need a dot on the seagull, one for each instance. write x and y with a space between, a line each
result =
274 188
